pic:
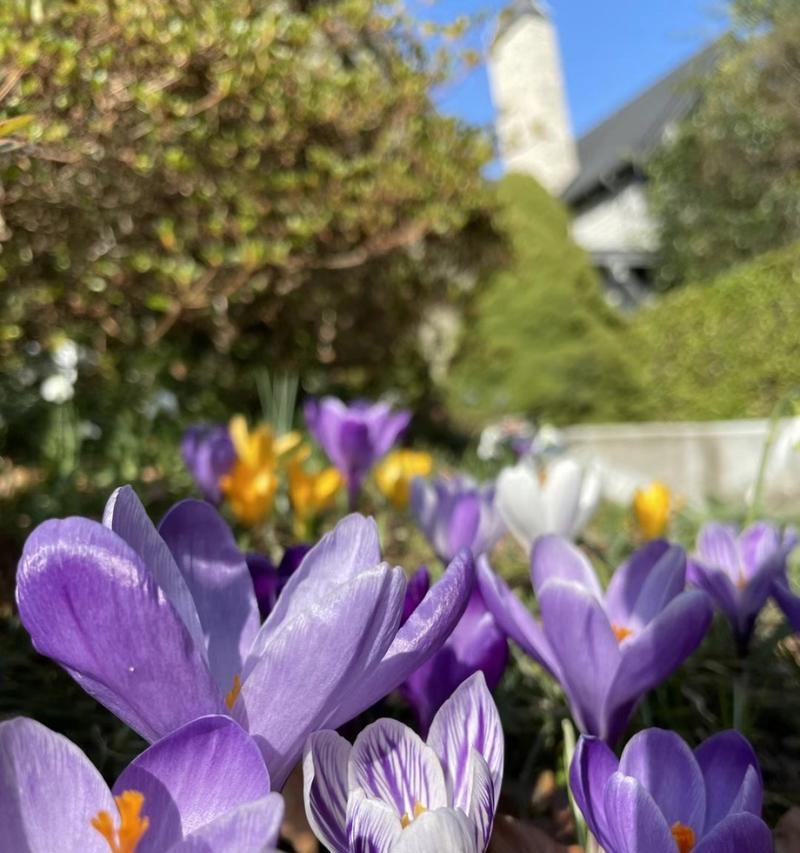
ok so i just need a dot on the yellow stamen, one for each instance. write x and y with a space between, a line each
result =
620 631
131 825
684 837
405 820
741 581
233 694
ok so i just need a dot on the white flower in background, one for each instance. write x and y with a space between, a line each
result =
65 356
560 500
57 389
160 401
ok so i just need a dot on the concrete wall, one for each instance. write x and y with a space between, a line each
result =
698 461
621 223
532 121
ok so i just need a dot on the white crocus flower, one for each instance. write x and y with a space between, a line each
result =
560 501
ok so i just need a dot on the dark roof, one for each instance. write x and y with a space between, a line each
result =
631 134
513 12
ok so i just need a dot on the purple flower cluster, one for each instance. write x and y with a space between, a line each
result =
236 670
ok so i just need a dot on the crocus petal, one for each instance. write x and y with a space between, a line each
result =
49 792
592 766
125 515
424 502
562 493
665 767
787 600
521 504
757 544
635 823
630 579
350 548
418 585
440 830
422 635
389 430
311 666
468 721
717 547
590 498
515 619
251 828
216 573
89 603
725 760
651 655
355 446
664 582
482 799
580 635
372 825
193 776
553 558
391 763
463 525
718 585
325 788
758 589
737 833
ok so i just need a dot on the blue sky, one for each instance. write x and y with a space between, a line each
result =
611 49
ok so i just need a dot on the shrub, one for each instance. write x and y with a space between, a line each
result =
728 349
542 340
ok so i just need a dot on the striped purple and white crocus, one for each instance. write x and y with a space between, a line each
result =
392 792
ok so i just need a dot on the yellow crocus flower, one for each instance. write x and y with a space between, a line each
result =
252 482
395 473
310 493
652 507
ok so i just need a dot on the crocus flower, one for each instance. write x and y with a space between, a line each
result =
477 644
209 454
607 650
354 436
660 797
741 570
395 473
391 792
163 626
203 788
652 507
310 493
455 513
269 579
561 499
251 484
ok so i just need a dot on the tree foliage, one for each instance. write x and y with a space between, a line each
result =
726 349
211 187
541 340
727 187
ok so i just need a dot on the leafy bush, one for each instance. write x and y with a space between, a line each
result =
542 339
728 349
211 188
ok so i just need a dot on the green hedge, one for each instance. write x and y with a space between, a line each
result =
542 340
728 349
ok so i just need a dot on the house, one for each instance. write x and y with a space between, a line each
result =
600 176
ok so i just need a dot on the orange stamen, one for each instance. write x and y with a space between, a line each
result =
233 694
684 837
131 825
620 631
741 582
419 809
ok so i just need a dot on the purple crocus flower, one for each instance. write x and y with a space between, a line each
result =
477 644
209 454
741 570
661 797
391 792
163 626
354 436
203 788
456 513
607 650
269 579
